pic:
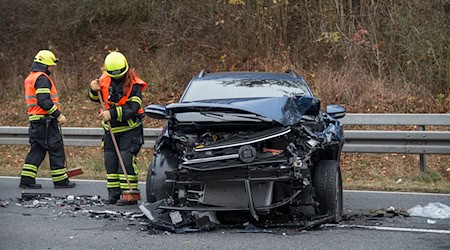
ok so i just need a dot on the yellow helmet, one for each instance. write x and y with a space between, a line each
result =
116 64
46 57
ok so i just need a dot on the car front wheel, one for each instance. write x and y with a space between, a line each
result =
156 186
327 182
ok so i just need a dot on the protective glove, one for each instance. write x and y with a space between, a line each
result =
105 115
61 119
95 85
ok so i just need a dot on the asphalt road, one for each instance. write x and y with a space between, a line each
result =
45 228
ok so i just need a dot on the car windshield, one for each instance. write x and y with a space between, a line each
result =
244 88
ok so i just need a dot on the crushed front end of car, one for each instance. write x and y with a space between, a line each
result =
258 156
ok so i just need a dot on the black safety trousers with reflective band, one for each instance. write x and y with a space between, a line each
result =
45 137
129 142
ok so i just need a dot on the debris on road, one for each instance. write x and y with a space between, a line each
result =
79 205
374 217
112 215
434 210
389 212
391 209
35 196
431 221
4 203
34 200
173 221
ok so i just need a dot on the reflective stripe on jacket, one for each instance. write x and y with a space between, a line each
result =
31 92
105 83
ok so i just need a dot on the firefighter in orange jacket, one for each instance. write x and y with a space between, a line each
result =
44 115
121 90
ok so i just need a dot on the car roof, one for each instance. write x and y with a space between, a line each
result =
246 75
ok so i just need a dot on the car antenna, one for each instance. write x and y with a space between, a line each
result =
292 72
202 73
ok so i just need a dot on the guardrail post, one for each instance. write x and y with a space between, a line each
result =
422 157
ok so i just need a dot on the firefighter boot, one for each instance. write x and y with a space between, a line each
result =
123 202
113 195
64 184
29 183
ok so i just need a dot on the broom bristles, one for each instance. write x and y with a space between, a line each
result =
74 172
131 195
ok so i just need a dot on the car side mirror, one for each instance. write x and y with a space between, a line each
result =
156 111
336 111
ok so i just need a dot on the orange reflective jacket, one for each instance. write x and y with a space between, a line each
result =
105 82
30 94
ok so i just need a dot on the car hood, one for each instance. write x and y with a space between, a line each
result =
284 110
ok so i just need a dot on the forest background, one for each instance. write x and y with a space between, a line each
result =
371 56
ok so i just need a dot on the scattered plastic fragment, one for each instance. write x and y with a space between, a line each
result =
113 215
434 210
431 221
4 203
176 217
391 209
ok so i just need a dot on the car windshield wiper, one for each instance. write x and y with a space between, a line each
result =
222 116
252 117
214 115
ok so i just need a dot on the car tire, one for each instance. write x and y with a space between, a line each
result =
327 182
156 186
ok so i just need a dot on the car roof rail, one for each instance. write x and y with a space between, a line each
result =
202 73
292 72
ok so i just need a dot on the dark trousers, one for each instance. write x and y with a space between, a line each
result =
129 143
45 138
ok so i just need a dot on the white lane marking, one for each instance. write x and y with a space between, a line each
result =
389 192
49 179
398 229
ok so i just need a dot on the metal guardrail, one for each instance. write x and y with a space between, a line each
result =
415 142
397 119
73 136
358 141
405 142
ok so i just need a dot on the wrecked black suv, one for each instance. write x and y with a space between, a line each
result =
248 142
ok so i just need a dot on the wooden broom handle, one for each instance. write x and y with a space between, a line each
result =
65 155
119 156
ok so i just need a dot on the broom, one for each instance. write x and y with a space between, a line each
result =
130 195
73 171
